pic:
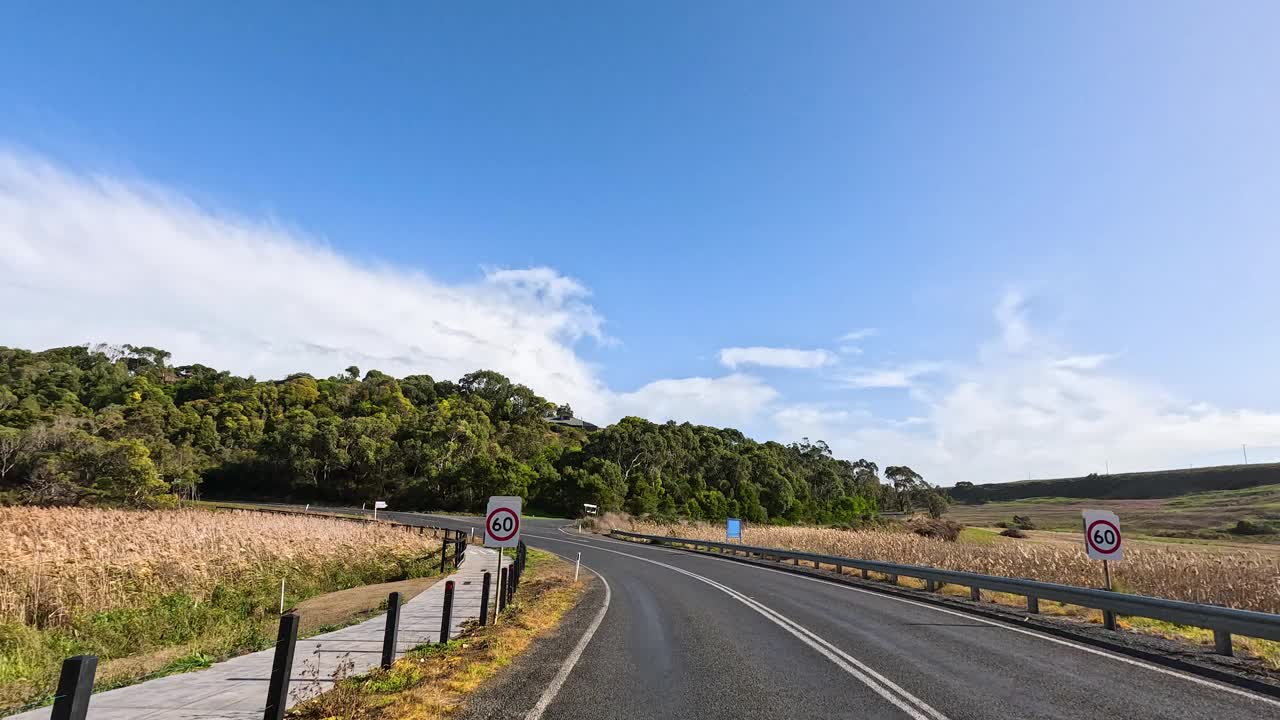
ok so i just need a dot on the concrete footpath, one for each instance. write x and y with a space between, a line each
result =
237 689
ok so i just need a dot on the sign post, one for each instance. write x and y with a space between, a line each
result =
377 505
1102 540
502 529
733 529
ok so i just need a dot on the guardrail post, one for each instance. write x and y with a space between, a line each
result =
444 554
484 599
865 575
446 613
502 588
893 579
930 585
392 630
1222 643
975 594
1033 604
281 668
511 585
75 685
1108 619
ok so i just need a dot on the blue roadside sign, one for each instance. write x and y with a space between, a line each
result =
733 529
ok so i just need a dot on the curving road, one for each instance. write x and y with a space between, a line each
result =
687 635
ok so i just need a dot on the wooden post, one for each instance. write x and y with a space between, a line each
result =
281 668
75 685
446 615
391 631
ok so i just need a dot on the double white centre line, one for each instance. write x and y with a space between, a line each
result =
913 706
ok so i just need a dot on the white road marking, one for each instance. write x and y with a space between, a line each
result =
558 681
913 706
995 623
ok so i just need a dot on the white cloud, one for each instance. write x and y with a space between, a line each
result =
1083 362
856 335
733 400
810 415
892 377
1011 314
790 358
847 346
1026 408
89 259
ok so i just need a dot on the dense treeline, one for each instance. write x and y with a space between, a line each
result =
119 425
1125 486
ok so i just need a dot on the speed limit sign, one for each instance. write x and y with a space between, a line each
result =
1102 539
502 521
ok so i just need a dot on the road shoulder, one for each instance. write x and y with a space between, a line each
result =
517 688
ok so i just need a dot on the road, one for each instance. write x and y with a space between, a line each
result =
688 635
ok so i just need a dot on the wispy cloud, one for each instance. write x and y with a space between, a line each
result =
889 377
1011 315
1083 362
856 335
791 358
848 341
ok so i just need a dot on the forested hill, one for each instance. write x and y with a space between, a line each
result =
119 425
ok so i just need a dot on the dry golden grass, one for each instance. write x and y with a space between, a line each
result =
1245 579
58 563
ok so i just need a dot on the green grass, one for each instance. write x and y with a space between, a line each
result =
978 536
1208 516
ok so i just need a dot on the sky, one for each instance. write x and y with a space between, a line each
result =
991 241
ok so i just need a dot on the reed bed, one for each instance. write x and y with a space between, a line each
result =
59 563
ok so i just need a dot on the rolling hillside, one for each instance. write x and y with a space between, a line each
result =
1125 486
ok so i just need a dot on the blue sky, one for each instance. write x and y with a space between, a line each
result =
1059 221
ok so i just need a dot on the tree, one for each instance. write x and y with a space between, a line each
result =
904 480
936 501
118 471
11 445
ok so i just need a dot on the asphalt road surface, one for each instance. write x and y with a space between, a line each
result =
690 636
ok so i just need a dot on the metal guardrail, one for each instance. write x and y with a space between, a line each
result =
1223 621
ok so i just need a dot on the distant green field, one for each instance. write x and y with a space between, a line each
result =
1206 515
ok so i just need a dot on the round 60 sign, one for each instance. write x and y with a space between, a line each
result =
502 521
1102 540
503 524
1103 536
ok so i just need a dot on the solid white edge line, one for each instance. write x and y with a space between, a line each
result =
995 623
557 682
838 657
